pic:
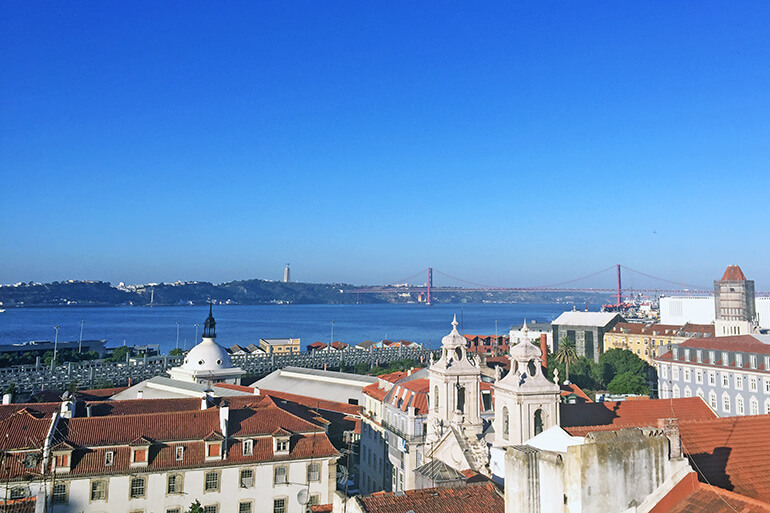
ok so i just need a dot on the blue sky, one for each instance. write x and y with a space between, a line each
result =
363 141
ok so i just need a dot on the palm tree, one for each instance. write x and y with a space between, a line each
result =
566 353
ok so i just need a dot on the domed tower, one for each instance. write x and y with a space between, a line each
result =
208 362
526 402
455 394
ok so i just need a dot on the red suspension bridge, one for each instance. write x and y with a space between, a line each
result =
617 292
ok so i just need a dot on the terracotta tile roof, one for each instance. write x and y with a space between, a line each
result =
98 393
311 402
411 393
339 345
24 429
39 409
574 389
26 505
708 499
375 391
322 508
743 343
392 377
467 499
137 406
580 419
317 345
731 452
733 273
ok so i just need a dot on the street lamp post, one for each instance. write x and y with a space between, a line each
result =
80 341
55 345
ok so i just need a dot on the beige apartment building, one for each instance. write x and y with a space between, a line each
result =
646 340
279 346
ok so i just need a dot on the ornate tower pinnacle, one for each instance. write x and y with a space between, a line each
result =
208 326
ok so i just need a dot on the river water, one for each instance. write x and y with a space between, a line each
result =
243 324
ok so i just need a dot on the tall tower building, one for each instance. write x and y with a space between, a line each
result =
287 274
735 303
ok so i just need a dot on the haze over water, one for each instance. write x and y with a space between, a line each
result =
247 324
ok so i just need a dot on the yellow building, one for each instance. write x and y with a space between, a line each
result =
649 340
279 346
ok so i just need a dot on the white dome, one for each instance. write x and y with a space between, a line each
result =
525 351
454 339
207 356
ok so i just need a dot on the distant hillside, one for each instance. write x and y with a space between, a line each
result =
250 292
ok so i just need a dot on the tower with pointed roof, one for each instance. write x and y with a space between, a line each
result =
455 389
734 302
526 402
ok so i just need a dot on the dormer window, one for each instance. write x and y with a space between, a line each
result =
753 361
179 452
140 449
712 357
108 458
687 355
248 447
738 360
281 439
62 457
725 358
214 442
699 355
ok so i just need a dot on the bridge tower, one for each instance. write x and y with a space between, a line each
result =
430 282
618 294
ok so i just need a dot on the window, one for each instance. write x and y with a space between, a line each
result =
712 378
248 448
738 382
767 406
664 371
244 507
725 358
213 450
712 357
211 508
247 478
687 391
725 380
675 373
699 376
315 500
59 493
137 487
726 403
282 445
212 482
279 476
279 505
738 360
739 405
174 483
754 406
140 455
767 386
18 492
108 457
699 355
753 361
753 383
687 354
174 510
179 453
687 375
713 400
314 472
99 490
675 392
506 423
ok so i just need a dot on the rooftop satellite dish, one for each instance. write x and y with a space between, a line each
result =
302 496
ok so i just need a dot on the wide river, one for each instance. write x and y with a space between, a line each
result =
246 324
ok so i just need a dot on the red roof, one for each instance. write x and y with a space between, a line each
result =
731 452
312 402
375 391
733 273
24 429
581 419
392 377
468 499
567 390
744 343
316 345
411 393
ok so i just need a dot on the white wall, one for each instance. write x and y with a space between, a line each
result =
680 310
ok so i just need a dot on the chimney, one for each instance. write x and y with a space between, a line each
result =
256 390
88 410
544 348
670 428
224 418
140 394
204 402
6 398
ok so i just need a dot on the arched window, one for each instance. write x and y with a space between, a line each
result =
435 398
506 423
538 421
713 400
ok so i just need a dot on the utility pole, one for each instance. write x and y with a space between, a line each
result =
55 345
80 342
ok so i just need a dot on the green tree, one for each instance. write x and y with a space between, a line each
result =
566 354
119 354
176 352
628 383
195 507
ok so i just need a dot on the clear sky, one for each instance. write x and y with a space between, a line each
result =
512 145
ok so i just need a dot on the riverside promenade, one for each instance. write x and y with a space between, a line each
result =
29 379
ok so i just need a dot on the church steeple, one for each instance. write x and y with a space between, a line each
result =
208 326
